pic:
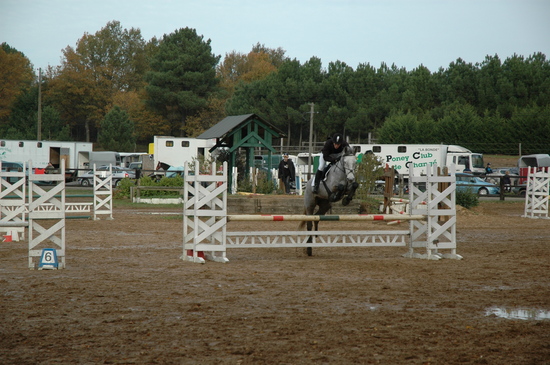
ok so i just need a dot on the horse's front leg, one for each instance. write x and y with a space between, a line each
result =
337 195
348 198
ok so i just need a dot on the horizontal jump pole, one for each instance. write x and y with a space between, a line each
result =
318 218
14 224
78 217
55 196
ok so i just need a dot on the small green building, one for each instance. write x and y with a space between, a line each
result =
249 132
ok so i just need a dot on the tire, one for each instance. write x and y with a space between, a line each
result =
85 182
483 192
117 182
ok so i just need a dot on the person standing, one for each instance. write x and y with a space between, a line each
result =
507 182
287 172
330 153
49 169
488 169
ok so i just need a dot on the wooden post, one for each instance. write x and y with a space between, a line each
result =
441 187
389 180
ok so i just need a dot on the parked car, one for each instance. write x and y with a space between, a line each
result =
471 183
135 165
119 173
520 189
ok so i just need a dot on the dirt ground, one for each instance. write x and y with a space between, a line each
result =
126 297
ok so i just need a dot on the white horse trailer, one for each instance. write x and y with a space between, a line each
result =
176 151
75 154
422 156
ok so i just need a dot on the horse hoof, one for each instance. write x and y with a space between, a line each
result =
346 201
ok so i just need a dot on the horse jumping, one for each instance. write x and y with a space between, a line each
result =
339 184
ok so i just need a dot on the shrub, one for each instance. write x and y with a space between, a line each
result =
264 185
368 171
467 199
123 190
244 184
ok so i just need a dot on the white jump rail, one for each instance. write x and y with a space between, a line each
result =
69 207
432 222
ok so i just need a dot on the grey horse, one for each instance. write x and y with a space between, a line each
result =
339 184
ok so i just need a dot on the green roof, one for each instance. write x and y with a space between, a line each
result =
228 124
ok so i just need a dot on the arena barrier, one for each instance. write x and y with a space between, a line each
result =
432 221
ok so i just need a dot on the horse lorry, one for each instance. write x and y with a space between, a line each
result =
422 156
538 162
74 154
170 152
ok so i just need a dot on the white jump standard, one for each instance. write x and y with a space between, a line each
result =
205 218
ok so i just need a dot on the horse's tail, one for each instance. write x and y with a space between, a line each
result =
302 223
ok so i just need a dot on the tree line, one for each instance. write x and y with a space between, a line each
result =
118 90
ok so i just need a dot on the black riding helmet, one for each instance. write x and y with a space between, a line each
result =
337 138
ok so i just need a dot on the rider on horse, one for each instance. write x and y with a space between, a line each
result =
330 153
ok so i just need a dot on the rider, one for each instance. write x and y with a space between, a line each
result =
330 153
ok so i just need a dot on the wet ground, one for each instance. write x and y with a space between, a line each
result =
127 298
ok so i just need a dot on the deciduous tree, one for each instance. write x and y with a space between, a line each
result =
256 65
16 76
110 61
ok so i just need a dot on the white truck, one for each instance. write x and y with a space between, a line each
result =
75 154
420 156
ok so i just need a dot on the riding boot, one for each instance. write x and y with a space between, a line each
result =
318 178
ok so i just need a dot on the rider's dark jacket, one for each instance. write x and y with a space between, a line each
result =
330 153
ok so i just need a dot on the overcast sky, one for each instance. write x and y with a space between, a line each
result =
409 33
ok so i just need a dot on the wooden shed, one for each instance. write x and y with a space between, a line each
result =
249 132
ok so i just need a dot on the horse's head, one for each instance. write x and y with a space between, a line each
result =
348 151
349 161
